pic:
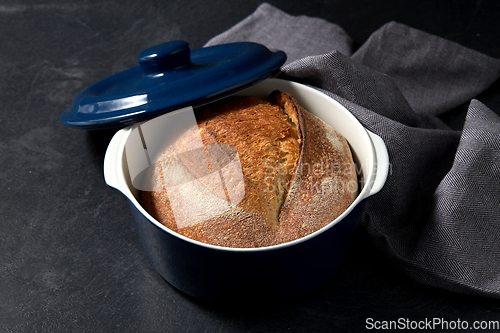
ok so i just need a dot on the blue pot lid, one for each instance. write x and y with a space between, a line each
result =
170 76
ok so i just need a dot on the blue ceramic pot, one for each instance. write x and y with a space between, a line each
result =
278 272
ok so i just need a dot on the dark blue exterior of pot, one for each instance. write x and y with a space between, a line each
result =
218 274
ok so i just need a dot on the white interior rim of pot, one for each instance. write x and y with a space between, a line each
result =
361 133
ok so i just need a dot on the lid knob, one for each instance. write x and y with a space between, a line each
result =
165 57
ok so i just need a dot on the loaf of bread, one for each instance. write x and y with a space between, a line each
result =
267 172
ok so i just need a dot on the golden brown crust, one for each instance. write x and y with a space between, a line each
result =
298 173
267 149
325 181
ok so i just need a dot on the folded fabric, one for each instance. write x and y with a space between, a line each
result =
438 215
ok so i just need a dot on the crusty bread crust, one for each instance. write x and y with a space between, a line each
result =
298 173
325 182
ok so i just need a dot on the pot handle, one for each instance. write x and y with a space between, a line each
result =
381 163
113 160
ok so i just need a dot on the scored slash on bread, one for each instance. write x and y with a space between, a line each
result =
269 172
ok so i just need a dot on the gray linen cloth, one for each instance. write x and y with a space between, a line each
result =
438 215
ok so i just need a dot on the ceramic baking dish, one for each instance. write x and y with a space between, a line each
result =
281 271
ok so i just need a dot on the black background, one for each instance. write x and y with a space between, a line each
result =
70 259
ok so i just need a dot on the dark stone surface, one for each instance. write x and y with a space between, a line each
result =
70 259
